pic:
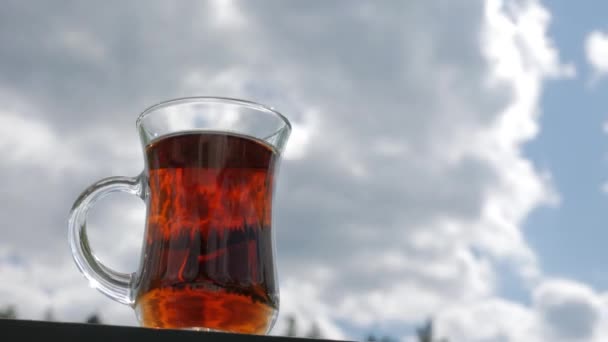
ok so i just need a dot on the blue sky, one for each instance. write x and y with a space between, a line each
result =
570 239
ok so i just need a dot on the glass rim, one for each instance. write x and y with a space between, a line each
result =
212 99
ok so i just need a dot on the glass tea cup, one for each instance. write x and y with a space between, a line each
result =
208 253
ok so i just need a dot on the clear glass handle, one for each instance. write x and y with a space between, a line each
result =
115 285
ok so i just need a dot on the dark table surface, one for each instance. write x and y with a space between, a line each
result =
22 330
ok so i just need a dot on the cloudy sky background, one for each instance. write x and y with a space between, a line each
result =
448 158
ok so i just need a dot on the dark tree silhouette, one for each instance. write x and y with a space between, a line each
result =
8 312
93 319
373 338
48 315
314 332
291 327
426 333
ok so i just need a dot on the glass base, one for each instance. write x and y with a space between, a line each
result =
261 330
201 329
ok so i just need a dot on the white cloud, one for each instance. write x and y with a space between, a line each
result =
404 184
303 300
596 49
604 186
83 44
63 293
25 141
226 14
571 311
30 142
561 310
491 319
302 134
